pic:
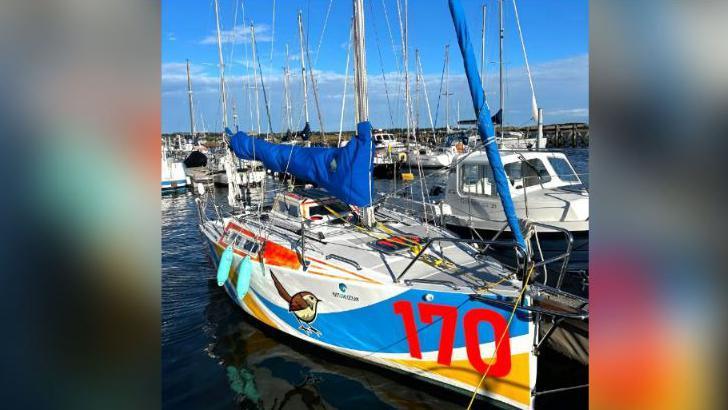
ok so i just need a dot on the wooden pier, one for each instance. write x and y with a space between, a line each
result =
574 134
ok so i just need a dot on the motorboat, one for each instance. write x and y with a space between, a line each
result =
544 187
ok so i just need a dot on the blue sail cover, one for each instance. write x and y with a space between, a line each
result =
344 172
485 123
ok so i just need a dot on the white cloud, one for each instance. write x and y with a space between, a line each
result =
561 89
240 34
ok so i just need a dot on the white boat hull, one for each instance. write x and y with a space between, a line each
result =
364 317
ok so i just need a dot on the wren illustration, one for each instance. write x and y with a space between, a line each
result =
303 305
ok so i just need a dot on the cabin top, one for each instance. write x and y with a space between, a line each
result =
313 205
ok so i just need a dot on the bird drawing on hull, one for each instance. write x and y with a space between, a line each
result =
303 305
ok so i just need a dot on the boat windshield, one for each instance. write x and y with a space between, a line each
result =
563 169
528 173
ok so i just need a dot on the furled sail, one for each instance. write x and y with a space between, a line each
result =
344 172
485 123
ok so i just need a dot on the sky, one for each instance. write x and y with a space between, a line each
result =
555 36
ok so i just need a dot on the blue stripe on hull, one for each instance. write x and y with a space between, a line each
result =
376 328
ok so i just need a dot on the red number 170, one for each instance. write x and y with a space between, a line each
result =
472 319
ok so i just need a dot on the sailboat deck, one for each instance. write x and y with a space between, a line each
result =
447 262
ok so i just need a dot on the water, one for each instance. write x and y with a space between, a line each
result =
215 357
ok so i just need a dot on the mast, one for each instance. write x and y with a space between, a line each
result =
262 83
360 86
192 110
287 93
228 159
360 70
424 88
500 63
235 117
417 93
447 87
255 77
303 66
223 97
408 105
482 50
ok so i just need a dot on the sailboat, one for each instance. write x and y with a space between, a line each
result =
329 267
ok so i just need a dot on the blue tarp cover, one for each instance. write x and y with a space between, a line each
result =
344 172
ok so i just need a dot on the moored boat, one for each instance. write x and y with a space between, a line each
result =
329 267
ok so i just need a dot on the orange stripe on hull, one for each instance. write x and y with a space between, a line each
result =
515 386
364 278
273 253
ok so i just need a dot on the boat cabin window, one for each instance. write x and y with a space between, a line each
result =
563 169
476 179
251 246
323 210
286 208
527 173
230 236
238 240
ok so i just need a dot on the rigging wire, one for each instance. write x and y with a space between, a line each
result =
346 78
439 94
381 66
534 104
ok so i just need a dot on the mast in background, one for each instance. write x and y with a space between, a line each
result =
193 132
255 77
405 55
447 88
287 93
303 66
228 160
482 50
223 96
500 63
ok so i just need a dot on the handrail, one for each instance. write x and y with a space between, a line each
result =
513 244
555 313
564 257
343 259
447 283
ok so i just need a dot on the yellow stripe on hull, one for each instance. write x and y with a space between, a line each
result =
255 310
514 386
